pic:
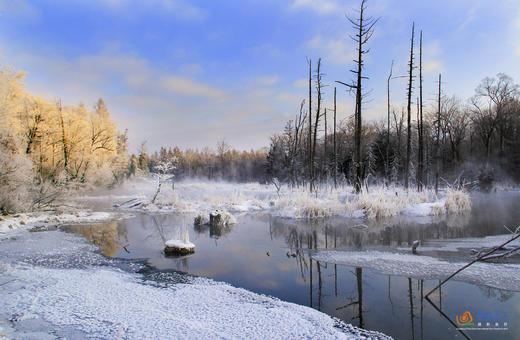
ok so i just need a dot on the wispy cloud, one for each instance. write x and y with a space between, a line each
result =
187 87
268 80
432 63
179 8
301 83
336 51
320 7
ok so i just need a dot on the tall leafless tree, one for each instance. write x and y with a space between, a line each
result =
364 27
335 149
409 109
420 163
437 141
310 128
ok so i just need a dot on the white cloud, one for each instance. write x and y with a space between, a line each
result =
336 51
432 63
433 67
301 83
321 7
179 8
268 80
289 98
188 87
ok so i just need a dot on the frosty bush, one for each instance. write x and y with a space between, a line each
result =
457 201
16 177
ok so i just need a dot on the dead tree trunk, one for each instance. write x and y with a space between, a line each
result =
310 127
325 164
364 31
409 111
437 142
317 119
63 139
387 163
420 171
335 150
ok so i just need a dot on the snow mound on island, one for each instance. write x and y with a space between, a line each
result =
502 276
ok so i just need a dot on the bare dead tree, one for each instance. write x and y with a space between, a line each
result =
335 149
420 163
388 122
63 139
298 130
310 127
324 162
364 31
437 142
409 109
319 87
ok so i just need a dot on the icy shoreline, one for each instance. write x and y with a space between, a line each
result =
47 218
496 275
55 285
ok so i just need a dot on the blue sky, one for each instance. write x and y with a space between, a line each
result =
188 73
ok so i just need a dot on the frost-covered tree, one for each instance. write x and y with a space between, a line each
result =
164 169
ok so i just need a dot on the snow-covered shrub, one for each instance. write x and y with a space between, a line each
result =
457 201
201 219
222 218
16 177
381 202
302 205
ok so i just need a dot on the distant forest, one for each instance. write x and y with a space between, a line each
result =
474 142
467 142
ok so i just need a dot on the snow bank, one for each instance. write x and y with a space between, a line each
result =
8 223
298 203
108 304
68 291
502 276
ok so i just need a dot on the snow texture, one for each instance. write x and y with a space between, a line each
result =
55 286
502 276
27 220
296 203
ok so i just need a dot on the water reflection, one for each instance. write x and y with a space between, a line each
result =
111 237
272 256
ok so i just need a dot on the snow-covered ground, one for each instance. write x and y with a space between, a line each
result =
45 218
202 197
53 285
502 276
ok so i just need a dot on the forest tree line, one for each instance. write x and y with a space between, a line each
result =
477 139
223 163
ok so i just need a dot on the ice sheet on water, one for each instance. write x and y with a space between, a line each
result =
477 243
502 276
82 298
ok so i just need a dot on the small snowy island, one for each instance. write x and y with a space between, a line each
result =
178 247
